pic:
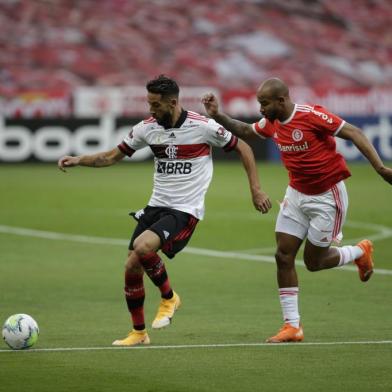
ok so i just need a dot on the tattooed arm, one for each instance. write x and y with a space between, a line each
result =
100 159
239 128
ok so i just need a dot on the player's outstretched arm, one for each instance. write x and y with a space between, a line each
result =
350 132
101 159
239 128
260 199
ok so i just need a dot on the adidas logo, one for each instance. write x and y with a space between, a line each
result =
139 213
172 135
166 234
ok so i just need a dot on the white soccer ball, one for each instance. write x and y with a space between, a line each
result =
20 331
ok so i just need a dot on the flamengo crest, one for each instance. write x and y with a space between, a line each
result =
171 151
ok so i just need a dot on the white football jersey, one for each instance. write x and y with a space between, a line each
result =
183 158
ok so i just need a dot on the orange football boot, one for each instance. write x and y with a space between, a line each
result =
365 262
287 333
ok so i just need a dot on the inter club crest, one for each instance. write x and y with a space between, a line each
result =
297 135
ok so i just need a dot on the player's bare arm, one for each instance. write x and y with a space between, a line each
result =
101 159
350 132
260 199
238 128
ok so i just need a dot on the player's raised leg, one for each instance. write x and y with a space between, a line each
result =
154 267
170 301
318 258
327 214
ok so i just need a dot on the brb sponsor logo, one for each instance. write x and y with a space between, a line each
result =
174 167
48 141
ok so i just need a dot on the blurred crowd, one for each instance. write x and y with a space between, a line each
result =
230 44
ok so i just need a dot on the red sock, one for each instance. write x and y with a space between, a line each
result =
134 295
156 271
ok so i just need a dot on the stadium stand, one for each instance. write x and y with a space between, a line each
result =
231 44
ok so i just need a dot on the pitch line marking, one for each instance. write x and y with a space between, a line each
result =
195 251
381 233
193 346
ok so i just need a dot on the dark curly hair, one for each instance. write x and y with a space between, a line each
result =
164 86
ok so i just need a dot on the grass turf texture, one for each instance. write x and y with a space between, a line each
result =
74 289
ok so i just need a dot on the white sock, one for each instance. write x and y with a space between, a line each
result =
288 297
348 254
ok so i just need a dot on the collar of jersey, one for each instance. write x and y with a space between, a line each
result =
180 121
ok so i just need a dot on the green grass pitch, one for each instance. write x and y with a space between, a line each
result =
73 287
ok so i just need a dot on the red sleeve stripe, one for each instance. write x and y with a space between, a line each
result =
180 151
197 117
194 114
125 149
149 120
232 144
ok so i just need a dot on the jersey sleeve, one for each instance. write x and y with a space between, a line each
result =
263 128
133 141
218 136
325 121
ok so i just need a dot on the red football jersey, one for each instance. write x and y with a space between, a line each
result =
308 149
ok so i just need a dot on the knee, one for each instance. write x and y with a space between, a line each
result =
312 267
312 264
284 260
141 247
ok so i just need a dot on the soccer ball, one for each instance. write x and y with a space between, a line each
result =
20 331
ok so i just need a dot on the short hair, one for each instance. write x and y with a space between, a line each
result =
275 87
164 86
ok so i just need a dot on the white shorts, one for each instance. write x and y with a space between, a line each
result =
318 217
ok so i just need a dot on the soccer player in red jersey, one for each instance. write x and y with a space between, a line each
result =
182 143
315 203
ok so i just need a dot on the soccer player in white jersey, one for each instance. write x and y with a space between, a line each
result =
315 202
181 142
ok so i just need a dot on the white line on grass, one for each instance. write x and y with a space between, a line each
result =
381 233
117 241
192 346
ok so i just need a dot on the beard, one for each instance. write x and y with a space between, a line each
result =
165 121
271 116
